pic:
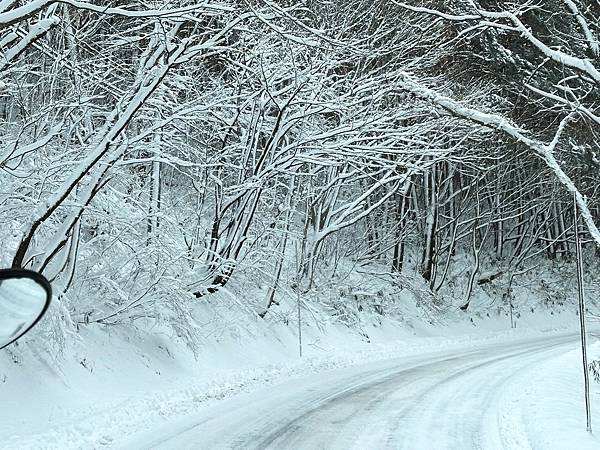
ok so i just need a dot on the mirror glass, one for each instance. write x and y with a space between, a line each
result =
22 303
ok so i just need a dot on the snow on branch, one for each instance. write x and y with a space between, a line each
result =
592 42
493 18
572 105
30 8
504 125
35 32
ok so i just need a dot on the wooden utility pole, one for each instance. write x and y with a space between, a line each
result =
580 292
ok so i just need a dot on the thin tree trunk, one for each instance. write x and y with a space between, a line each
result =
429 247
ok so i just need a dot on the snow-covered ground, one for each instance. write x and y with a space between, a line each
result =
102 396
440 400
543 408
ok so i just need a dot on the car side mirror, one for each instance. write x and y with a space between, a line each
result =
24 298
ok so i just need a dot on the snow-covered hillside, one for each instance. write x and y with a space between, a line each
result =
405 192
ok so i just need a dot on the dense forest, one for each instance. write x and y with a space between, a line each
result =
162 159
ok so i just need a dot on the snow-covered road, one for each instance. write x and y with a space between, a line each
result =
449 400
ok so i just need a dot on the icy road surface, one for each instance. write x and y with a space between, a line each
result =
438 401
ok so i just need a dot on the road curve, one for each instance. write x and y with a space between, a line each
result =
431 402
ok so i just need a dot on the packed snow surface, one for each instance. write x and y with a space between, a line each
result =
483 397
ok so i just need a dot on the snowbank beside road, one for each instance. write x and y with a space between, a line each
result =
544 408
